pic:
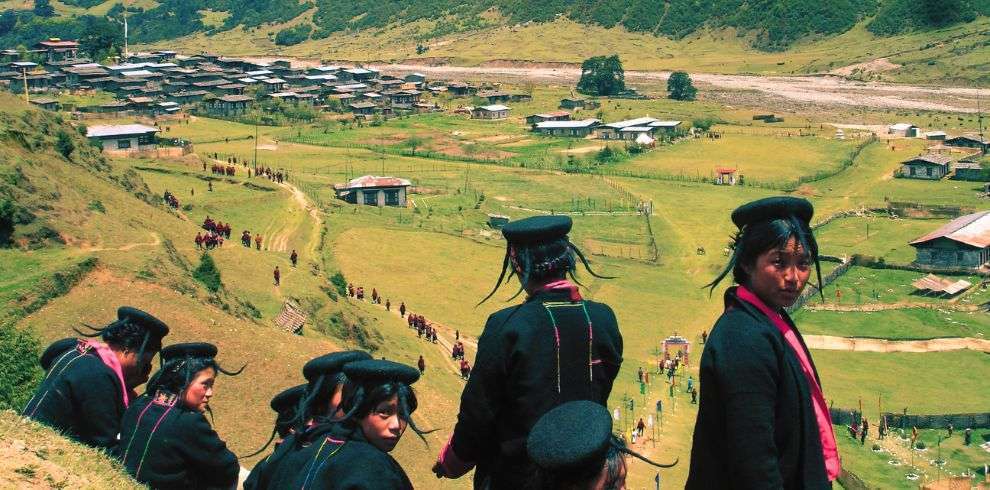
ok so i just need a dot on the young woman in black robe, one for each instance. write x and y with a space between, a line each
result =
553 348
762 419
351 452
166 441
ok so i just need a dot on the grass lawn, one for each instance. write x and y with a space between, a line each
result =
903 324
933 382
888 238
862 285
757 157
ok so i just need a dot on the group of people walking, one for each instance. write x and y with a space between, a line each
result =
532 414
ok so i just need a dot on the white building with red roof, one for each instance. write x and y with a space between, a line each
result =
371 190
963 242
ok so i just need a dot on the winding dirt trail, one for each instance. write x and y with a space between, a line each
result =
156 241
853 344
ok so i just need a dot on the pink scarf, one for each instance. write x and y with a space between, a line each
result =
561 284
110 360
829 449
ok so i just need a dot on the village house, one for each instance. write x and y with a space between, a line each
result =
229 105
626 130
906 130
666 127
370 190
971 171
578 129
402 98
963 242
494 111
46 103
460 89
166 108
358 74
935 136
231 89
58 49
362 108
725 176
571 103
125 138
548 116
494 96
969 141
928 167
415 78
187 97
22 67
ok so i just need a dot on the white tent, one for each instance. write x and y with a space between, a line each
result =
644 140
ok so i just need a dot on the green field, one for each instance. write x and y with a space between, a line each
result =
901 324
873 236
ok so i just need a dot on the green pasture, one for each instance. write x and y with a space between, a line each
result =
866 286
932 382
876 236
757 157
899 324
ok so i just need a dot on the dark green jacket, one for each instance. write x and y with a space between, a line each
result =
515 380
756 426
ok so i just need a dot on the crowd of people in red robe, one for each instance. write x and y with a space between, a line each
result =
228 170
216 232
171 200
424 328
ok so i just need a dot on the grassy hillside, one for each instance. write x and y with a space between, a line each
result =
35 457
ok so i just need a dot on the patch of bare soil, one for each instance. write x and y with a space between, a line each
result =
874 66
582 150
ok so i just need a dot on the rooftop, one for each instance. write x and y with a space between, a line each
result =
901 126
493 108
930 158
119 130
632 122
567 124
972 229
373 181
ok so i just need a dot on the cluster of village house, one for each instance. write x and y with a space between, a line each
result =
958 157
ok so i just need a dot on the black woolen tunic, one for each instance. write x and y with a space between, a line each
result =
334 457
183 453
756 427
515 378
80 397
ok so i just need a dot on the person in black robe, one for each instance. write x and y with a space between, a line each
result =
284 404
89 383
574 448
320 401
554 348
351 452
166 440
761 410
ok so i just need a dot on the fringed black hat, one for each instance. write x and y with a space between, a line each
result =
380 371
771 208
537 229
575 437
331 363
189 349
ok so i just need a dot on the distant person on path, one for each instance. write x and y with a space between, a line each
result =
388 305
165 439
90 382
704 336
277 274
294 258
209 185
555 335
640 427
864 433
690 384
402 309
694 396
257 241
421 364
465 369
967 436
762 419
949 430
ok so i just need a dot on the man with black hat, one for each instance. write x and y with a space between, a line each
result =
553 348
90 383
762 419
574 448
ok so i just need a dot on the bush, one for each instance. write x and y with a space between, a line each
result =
64 144
339 283
680 87
920 445
96 205
7 215
703 124
19 370
207 273
293 35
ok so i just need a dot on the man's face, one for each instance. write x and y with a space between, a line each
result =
136 368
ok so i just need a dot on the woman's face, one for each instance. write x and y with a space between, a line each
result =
780 274
197 395
383 427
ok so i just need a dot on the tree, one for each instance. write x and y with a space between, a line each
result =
414 142
101 38
679 86
7 216
602 75
207 273
64 144
43 8
8 19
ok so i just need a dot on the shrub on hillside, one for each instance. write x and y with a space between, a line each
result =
19 370
207 273
8 214
339 283
64 144
293 35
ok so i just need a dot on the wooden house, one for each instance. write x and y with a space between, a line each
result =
495 96
46 103
927 167
370 190
363 108
964 242
576 129
906 130
969 141
494 111
58 49
125 138
460 89
230 104
548 116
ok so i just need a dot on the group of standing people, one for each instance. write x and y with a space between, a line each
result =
246 239
216 232
171 200
220 169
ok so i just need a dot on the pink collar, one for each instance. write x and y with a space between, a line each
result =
560 284
109 358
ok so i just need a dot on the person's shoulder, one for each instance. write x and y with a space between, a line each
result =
738 329
91 369
596 308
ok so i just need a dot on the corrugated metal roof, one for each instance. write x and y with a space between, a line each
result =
972 229
567 124
121 130
901 126
373 181
631 122
665 124
930 158
493 108
933 283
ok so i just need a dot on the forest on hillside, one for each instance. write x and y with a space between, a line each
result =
773 24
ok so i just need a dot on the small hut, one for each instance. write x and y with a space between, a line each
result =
725 176
291 319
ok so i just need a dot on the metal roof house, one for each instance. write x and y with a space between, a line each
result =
370 190
494 111
928 167
126 138
567 128
963 242
906 130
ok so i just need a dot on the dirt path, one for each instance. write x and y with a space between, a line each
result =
852 344
904 305
823 90
156 240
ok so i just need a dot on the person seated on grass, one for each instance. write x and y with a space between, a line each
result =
573 448
285 405
318 403
89 383
351 452
166 441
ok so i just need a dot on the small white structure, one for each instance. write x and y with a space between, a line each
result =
906 130
935 135
374 191
645 140
494 111
125 138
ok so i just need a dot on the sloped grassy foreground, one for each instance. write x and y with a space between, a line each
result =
34 456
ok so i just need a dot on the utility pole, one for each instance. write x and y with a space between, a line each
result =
256 145
27 97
